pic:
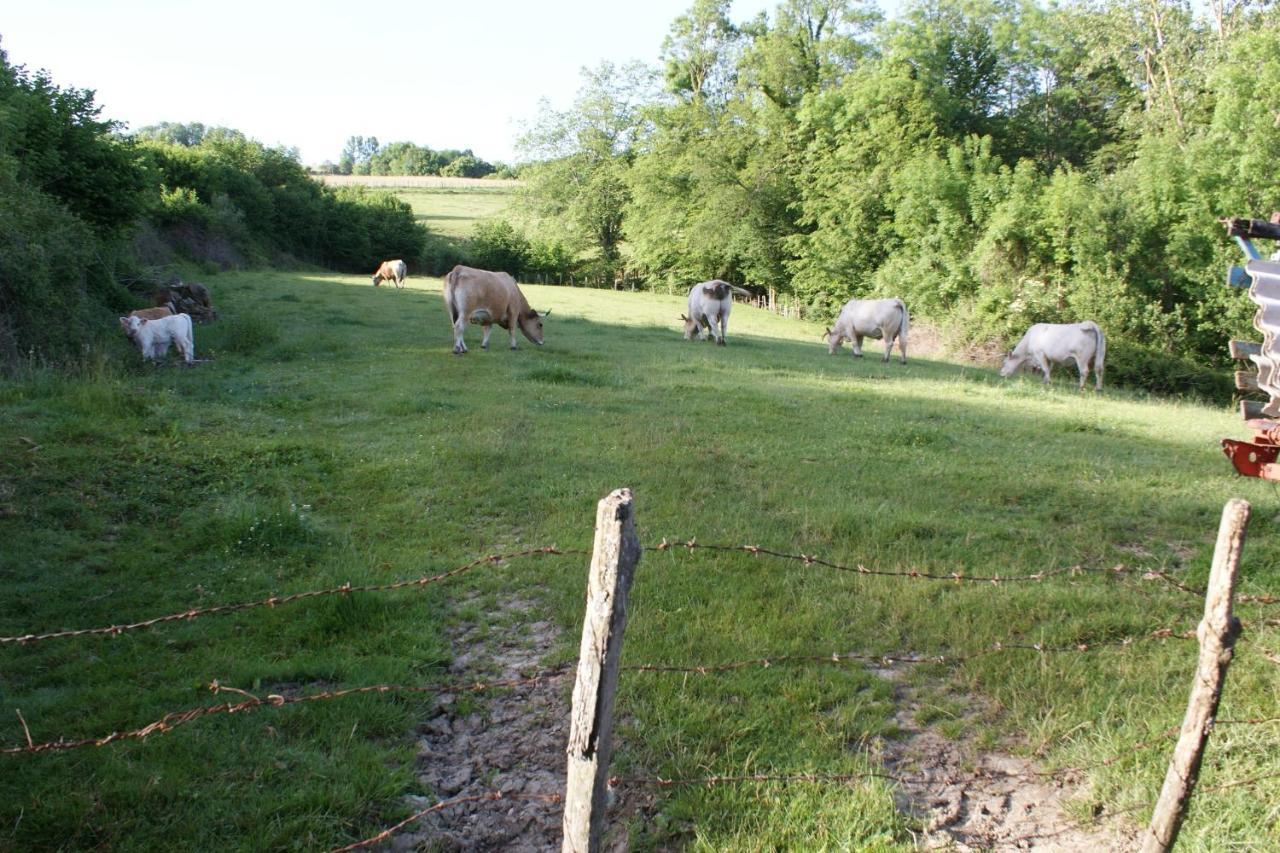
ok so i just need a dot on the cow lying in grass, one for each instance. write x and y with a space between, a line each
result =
1045 343
153 337
151 313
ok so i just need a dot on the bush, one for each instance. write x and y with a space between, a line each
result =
1135 366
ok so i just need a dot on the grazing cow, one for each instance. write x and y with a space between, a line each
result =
391 271
486 298
870 318
151 313
709 304
1057 342
153 337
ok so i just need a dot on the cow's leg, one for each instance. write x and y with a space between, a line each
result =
512 325
888 344
484 342
1044 366
459 326
857 345
723 322
902 346
1082 365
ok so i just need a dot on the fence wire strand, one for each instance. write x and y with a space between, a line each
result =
275 600
1119 570
253 702
489 796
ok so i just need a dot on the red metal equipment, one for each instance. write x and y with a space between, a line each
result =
1257 458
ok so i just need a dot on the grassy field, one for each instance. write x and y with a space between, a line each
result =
454 211
334 438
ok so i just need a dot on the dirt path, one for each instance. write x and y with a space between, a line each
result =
969 799
513 741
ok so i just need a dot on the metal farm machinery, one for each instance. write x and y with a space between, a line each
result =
1257 458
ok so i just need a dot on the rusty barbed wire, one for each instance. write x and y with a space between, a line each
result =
275 600
848 657
253 702
441 806
1118 570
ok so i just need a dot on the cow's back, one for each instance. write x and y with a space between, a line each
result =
469 289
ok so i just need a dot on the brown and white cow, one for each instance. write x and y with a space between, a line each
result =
485 298
391 271
151 313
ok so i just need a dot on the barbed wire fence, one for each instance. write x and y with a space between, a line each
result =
584 805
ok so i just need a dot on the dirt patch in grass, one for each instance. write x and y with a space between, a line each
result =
968 798
512 741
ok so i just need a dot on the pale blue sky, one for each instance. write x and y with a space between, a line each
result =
453 74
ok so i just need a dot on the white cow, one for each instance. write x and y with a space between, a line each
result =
870 318
486 298
709 304
153 337
391 271
1058 342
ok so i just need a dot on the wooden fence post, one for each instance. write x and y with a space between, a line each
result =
613 564
1217 634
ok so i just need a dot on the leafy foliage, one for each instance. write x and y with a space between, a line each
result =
994 162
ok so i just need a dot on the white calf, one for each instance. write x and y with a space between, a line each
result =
153 337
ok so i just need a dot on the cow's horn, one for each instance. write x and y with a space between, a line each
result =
682 317
827 333
548 313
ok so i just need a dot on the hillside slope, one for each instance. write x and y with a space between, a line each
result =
333 438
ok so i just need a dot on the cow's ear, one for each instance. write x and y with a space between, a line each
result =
124 321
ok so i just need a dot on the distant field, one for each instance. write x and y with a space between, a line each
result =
415 181
449 207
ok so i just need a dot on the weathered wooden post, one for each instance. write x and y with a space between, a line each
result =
1217 634
613 564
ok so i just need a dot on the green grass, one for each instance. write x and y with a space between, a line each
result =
334 438
454 212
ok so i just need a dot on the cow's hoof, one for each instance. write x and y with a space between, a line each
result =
484 346
719 343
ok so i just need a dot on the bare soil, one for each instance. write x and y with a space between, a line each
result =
512 741
970 799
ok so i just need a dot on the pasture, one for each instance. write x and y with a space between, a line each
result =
333 438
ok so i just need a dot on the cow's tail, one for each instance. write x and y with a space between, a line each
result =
902 331
450 286
741 291
1099 351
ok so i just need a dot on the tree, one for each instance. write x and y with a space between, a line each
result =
576 180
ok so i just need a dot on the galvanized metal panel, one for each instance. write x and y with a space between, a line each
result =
1265 291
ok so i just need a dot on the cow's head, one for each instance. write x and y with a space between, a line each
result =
377 279
833 339
131 326
1011 363
690 327
531 325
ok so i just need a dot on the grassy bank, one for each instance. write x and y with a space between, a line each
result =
333 438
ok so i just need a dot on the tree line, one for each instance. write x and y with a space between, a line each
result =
994 162
363 155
